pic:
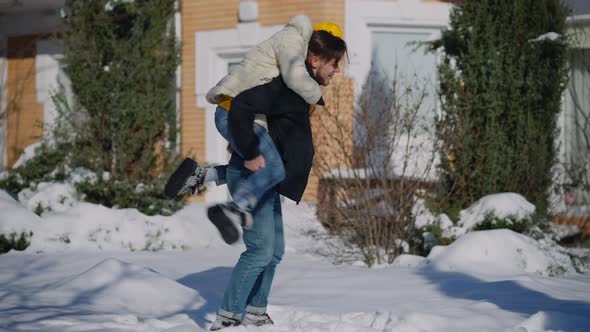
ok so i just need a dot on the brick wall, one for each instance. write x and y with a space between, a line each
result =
333 131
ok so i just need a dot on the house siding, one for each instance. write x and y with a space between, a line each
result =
24 115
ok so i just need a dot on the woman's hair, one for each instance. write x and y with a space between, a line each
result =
327 46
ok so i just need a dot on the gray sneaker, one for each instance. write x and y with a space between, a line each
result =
257 319
186 179
222 322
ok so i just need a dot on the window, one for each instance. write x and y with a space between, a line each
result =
393 48
395 57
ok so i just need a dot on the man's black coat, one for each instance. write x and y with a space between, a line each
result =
288 125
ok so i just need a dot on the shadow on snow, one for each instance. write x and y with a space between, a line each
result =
510 295
210 284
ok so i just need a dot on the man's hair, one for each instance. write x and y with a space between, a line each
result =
326 46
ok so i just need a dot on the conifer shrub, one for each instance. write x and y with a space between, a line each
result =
501 80
148 199
119 119
427 237
48 164
14 241
54 164
491 221
121 60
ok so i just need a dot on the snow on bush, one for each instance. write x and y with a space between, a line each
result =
28 154
69 224
55 196
501 206
500 252
15 218
66 223
422 214
49 197
552 36
89 226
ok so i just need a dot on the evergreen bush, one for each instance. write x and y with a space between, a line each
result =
14 241
491 221
48 164
427 237
501 81
148 199
121 58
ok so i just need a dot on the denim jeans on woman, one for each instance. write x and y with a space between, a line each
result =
250 191
251 278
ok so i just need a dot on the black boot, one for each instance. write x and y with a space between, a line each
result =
228 218
187 178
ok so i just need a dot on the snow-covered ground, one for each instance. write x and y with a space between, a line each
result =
90 268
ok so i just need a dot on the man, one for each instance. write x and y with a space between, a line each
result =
284 53
290 128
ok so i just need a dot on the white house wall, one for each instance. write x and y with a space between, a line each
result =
394 22
365 16
579 30
575 101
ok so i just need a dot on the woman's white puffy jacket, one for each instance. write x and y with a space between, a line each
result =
283 53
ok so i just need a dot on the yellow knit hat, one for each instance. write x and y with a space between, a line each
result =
330 27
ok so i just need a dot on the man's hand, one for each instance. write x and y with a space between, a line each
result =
255 164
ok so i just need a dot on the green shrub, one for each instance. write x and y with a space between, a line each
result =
149 199
419 244
12 183
580 261
501 91
512 223
51 164
122 114
48 164
14 241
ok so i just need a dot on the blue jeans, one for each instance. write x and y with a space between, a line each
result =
251 278
250 191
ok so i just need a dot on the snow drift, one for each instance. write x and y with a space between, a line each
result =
500 251
119 287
